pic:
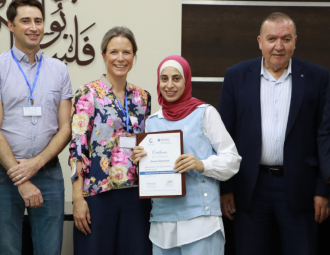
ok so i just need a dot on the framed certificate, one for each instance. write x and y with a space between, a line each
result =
156 175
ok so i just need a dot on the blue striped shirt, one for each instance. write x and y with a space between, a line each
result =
275 98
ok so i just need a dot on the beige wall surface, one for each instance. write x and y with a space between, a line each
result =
156 25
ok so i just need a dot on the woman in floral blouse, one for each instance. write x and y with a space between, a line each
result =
106 113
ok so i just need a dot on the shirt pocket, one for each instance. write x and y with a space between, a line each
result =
55 173
53 98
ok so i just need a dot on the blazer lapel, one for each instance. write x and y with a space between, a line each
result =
297 95
253 81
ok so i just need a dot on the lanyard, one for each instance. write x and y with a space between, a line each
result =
27 82
122 109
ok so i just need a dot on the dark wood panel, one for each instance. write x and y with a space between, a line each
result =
215 37
209 92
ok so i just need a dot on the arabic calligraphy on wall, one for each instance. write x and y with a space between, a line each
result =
59 30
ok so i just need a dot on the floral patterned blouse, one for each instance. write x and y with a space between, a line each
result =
97 123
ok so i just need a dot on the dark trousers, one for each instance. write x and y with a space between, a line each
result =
120 225
253 229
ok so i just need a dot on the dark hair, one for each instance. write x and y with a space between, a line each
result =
12 8
276 16
118 31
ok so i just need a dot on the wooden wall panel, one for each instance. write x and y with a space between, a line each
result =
215 37
209 92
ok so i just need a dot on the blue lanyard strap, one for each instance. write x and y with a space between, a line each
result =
122 109
27 82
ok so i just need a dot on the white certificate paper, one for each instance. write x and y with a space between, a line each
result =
156 175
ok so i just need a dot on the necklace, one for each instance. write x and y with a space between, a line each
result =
118 98
121 99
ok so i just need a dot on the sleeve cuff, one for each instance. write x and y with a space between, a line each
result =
207 167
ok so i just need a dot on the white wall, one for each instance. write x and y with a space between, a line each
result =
156 25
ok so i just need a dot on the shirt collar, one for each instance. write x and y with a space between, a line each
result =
20 55
107 83
159 113
267 75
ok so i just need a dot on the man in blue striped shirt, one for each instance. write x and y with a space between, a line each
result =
272 107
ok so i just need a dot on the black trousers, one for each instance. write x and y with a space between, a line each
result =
253 229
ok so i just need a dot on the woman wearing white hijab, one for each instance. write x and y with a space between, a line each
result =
191 224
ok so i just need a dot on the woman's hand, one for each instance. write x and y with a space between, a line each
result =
187 162
81 215
138 152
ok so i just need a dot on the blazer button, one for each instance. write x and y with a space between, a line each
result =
203 181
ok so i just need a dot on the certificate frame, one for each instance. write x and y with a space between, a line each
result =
139 138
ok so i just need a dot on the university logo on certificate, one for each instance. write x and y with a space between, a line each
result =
156 175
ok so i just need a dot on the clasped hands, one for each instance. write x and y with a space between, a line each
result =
184 162
24 170
20 175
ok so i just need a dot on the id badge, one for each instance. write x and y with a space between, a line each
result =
127 142
31 110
